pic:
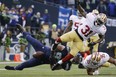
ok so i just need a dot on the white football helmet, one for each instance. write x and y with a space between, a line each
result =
95 58
95 11
100 19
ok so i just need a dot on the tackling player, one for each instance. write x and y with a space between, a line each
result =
74 23
43 54
96 60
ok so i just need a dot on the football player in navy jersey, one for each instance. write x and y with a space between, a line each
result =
43 54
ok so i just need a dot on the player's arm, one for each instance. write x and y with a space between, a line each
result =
81 10
101 37
68 28
112 60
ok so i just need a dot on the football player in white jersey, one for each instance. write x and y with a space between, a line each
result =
94 37
96 60
90 26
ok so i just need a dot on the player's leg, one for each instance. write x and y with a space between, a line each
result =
29 63
37 45
73 52
112 60
107 64
70 36
64 38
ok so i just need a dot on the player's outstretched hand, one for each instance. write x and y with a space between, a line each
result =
91 44
54 46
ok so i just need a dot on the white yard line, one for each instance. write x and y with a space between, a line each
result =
2 69
9 62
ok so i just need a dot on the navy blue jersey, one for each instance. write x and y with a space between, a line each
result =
38 46
61 54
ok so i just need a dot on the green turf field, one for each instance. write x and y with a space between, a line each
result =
44 71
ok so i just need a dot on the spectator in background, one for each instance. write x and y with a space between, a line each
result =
7 39
29 14
4 19
2 7
49 36
37 23
94 4
14 19
63 2
102 8
88 5
46 17
23 43
22 17
111 9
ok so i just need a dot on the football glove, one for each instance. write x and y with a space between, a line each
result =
54 46
91 44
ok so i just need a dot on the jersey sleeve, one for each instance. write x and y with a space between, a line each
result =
88 15
107 57
103 30
72 17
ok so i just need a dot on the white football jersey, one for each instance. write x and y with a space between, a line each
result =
88 29
76 21
88 64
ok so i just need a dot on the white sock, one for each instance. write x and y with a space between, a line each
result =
7 56
22 56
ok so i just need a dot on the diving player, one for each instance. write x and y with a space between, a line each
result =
43 54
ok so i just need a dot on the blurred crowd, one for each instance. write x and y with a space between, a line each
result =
31 21
104 6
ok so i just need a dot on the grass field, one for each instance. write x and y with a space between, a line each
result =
44 71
